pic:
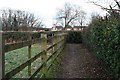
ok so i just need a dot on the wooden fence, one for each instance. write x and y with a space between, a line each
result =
56 40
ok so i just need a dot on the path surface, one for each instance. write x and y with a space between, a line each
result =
77 62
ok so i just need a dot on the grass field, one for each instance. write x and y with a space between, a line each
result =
17 57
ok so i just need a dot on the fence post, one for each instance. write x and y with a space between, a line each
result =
0 24
2 53
29 55
59 39
57 45
63 42
44 56
53 42
64 37
61 46
56 40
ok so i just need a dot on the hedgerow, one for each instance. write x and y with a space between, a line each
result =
74 37
103 38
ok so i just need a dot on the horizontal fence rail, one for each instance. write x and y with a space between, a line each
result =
10 41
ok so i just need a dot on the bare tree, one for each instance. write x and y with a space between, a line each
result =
13 19
118 3
81 18
110 6
29 19
69 15
6 19
114 12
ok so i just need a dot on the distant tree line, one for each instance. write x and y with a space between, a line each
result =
12 20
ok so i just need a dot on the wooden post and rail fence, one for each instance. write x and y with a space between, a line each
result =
27 39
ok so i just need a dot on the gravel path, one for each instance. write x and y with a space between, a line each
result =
77 62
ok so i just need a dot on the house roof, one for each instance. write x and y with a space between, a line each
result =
39 28
77 27
58 27
68 27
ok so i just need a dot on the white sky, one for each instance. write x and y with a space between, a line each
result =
47 8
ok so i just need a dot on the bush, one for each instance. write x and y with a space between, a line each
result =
103 38
74 37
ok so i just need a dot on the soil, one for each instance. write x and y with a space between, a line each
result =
78 62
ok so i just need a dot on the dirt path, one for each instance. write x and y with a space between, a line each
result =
77 62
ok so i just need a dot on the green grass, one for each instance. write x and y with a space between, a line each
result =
17 57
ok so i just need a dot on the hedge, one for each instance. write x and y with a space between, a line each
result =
74 37
103 38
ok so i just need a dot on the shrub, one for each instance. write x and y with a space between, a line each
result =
74 37
103 38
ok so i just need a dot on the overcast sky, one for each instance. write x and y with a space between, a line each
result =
47 8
